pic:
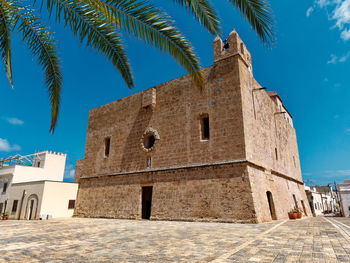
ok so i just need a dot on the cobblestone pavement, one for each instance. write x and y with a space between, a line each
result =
106 240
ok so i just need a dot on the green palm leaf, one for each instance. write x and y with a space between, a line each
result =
204 13
259 15
149 24
38 39
99 23
91 27
5 41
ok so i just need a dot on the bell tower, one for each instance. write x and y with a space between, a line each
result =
232 46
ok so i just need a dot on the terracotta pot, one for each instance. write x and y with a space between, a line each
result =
292 215
4 218
299 215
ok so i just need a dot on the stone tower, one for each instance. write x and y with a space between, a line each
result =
227 152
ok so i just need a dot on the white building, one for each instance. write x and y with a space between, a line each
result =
32 187
344 195
322 199
315 201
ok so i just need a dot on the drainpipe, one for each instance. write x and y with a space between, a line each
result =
22 200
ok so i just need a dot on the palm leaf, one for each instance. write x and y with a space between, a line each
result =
38 39
259 15
204 13
5 41
92 27
149 24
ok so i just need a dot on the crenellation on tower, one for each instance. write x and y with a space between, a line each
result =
232 46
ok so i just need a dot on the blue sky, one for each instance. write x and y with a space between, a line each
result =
308 67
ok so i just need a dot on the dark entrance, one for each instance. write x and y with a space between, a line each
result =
146 201
31 209
271 205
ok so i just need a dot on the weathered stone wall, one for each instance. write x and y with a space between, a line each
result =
282 191
213 193
244 128
176 117
266 129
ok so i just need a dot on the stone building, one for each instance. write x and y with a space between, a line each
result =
227 152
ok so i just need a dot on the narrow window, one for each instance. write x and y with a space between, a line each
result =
276 154
71 204
38 164
294 162
14 206
5 188
107 146
149 162
205 134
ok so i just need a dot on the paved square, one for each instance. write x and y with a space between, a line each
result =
109 240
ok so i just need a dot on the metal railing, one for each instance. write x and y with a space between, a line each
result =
27 160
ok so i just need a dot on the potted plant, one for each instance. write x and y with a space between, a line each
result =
5 216
293 214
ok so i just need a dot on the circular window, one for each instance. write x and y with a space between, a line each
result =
148 141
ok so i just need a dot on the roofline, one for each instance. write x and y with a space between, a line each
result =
43 181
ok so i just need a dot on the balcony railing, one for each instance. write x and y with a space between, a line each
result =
27 160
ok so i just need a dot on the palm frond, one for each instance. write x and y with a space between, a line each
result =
39 40
5 41
92 27
259 15
151 25
203 11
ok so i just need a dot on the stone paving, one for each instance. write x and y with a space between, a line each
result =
109 240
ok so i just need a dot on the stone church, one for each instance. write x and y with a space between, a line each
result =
227 152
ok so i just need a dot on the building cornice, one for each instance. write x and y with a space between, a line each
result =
193 166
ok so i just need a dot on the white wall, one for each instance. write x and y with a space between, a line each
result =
344 193
316 200
5 195
317 203
56 197
16 193
51 168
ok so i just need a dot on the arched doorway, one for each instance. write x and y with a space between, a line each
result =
32 207
271 205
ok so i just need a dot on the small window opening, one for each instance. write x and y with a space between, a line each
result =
14 206
38 164
5 188
148 141
149 162
276 153
242 48
205 130
226 44
107 146
294 162
71 204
